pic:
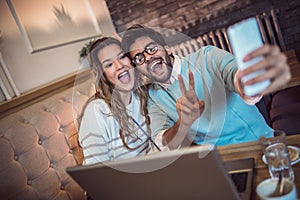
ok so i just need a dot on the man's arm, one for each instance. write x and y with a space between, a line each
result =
274 63
239 89
176 136
189 108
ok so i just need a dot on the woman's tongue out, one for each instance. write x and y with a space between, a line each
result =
124 77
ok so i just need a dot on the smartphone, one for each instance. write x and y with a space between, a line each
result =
244 37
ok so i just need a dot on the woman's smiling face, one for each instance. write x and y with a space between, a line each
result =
117 67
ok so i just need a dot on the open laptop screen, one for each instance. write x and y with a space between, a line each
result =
194 173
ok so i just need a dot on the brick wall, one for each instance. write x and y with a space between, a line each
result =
195 17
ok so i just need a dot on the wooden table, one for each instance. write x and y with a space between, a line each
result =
254 150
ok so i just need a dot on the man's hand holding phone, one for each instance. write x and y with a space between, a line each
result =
262 68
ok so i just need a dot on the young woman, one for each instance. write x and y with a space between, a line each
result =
115 123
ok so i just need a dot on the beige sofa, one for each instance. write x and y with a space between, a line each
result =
38 142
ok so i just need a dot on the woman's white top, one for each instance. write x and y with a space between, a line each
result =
99 133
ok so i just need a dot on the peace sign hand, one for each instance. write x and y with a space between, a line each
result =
189 108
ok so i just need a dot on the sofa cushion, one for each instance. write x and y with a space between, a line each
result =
38 143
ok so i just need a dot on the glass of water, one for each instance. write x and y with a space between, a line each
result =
276 154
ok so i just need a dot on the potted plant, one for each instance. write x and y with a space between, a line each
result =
83 53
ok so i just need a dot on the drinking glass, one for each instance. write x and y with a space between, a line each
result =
276 154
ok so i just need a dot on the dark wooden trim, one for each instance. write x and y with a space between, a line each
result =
294 67
42 92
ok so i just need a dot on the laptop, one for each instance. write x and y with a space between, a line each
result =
193 173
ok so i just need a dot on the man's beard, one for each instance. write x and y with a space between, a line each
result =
169 68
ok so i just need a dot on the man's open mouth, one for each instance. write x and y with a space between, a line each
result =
156 65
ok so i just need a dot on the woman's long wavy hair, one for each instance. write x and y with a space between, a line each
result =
105 90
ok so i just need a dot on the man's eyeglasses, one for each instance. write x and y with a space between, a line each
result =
150 49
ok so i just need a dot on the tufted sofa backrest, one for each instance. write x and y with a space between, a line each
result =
38 143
